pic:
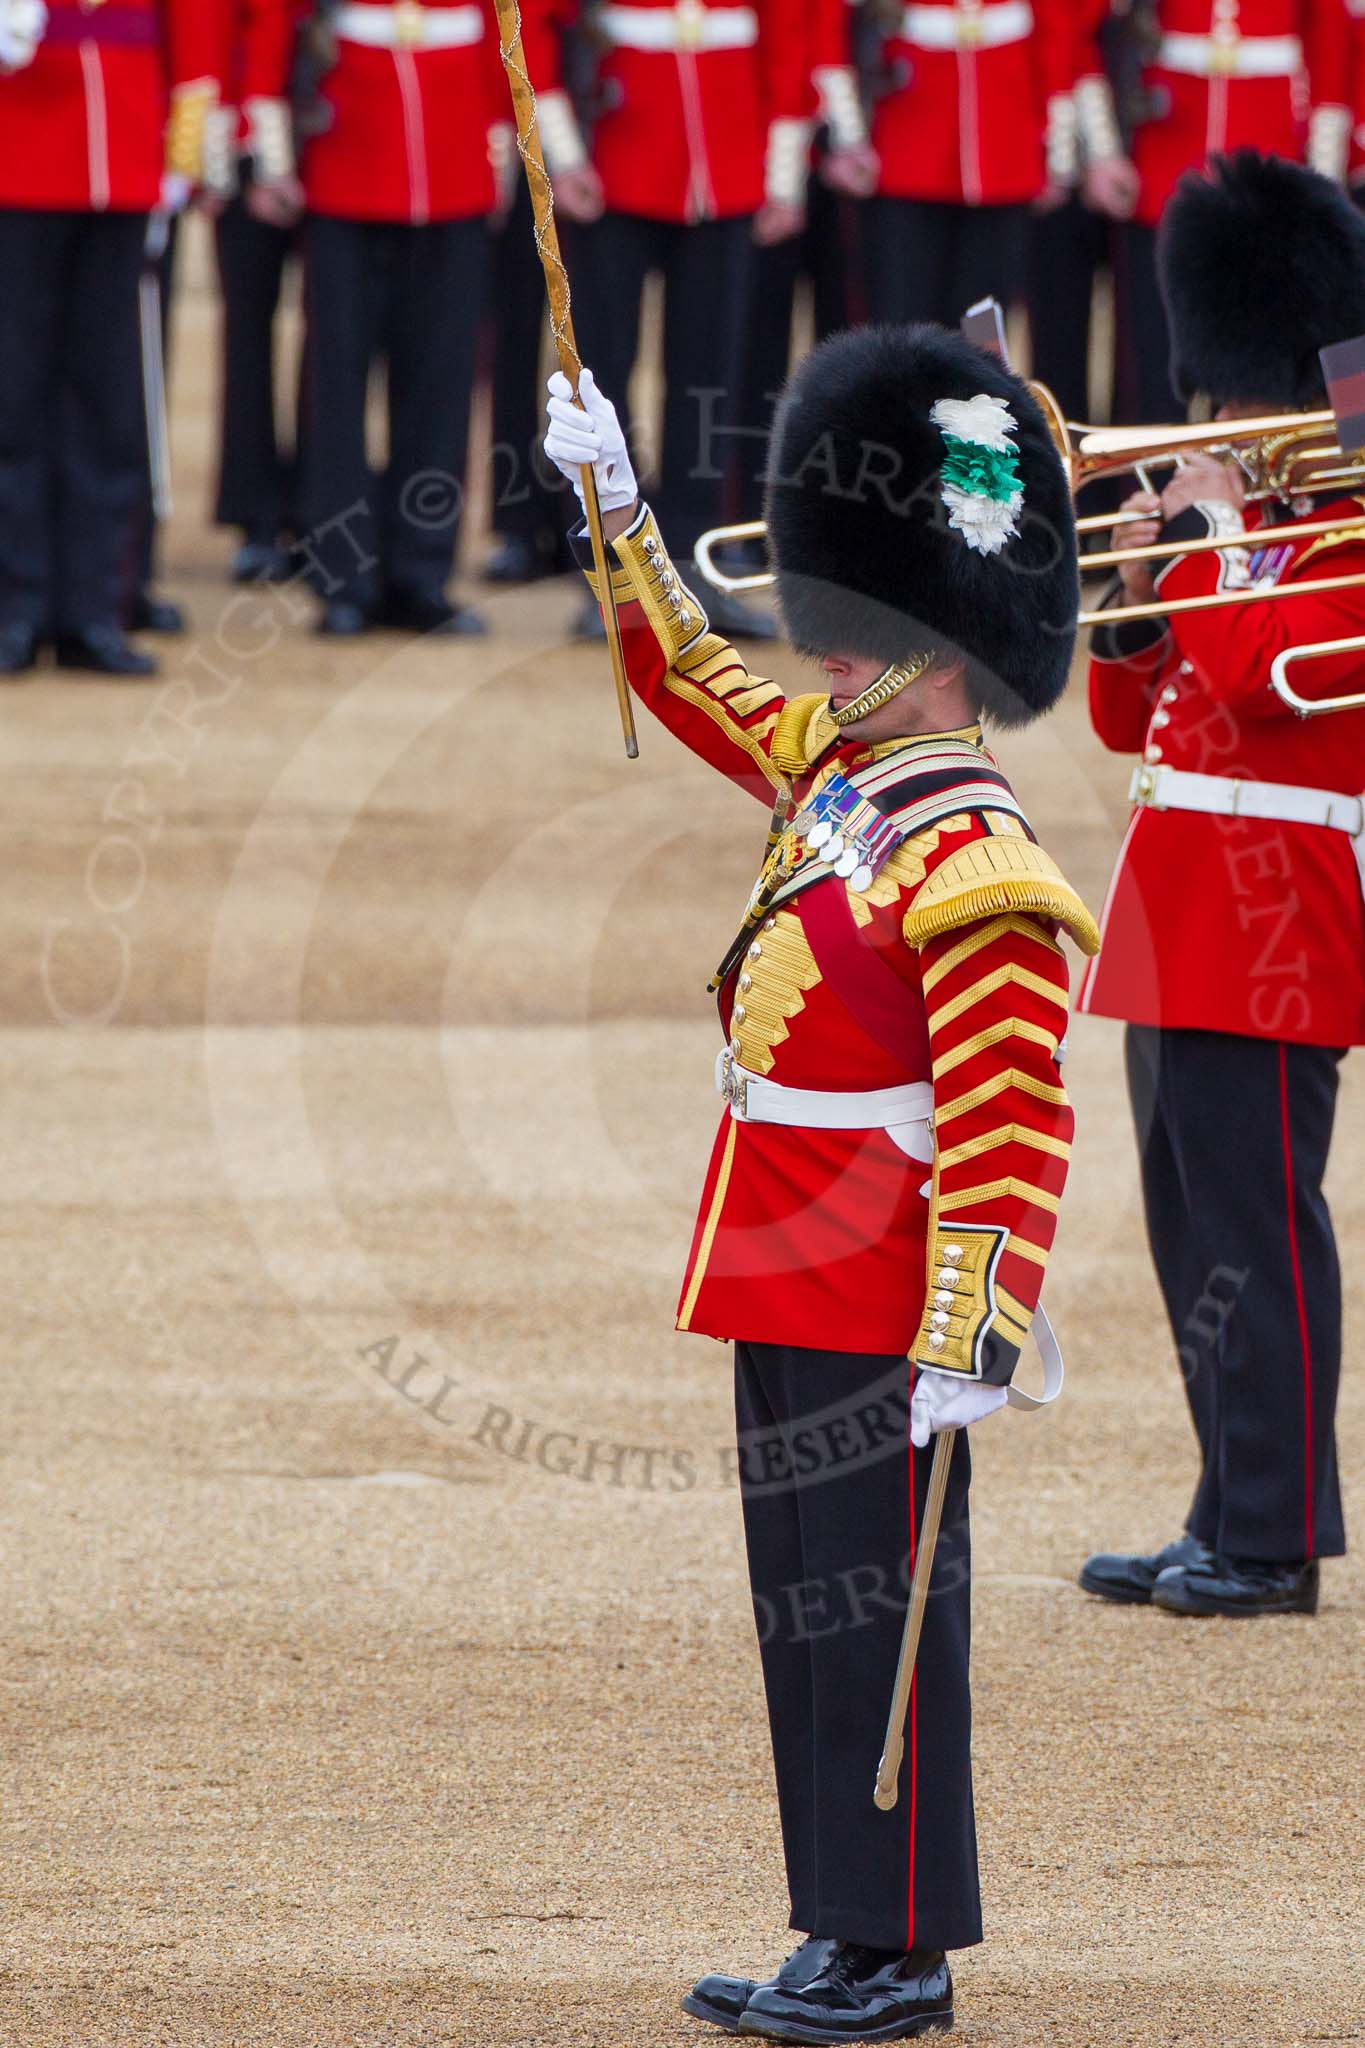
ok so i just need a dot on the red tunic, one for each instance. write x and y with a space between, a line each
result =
836 1238
1223 924
82 127
409 137
1196 116
683 135
968 123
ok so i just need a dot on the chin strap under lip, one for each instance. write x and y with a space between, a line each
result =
887 685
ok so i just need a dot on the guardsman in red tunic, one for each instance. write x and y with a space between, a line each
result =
1218 76
884 1188
400 177
85 142
977 127
1234 938
701 148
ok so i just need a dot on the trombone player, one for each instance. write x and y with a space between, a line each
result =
1233 936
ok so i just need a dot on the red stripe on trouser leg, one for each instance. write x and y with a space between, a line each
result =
1304 1344
914 1718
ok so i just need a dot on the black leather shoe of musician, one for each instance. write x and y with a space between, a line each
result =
18 648
1238 1585
863 1994
722 2000
261 561
1130 1577
102 651
427 611
341 620
152 614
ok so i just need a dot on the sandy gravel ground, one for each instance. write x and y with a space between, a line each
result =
377 1669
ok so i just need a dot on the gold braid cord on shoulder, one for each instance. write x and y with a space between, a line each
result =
561 322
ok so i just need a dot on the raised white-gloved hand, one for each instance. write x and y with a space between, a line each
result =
22 23
941 1401
594 436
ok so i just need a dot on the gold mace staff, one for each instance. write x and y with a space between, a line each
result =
888 1771
561 326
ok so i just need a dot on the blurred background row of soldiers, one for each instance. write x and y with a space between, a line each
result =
781 168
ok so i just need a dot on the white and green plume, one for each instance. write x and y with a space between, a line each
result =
981 484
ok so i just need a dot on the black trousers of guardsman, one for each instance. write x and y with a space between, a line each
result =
833 1498
410 297
256 483
930 259
1233 1135
73 447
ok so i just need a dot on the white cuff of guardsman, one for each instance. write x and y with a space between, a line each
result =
841 106
221 130
270 138
1062 140
788 164
561 138
1329 142
1097 120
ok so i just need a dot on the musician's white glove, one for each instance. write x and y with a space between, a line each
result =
22 23
944 1401
576 438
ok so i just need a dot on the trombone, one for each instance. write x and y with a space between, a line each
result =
1282 456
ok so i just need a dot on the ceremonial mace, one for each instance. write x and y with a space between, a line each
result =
561 327
889 1769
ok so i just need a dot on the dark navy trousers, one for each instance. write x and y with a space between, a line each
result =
833 1499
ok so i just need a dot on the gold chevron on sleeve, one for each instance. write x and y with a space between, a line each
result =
1003 1134
989 984
1024 1248
1010 1077
986 935
982 1041
1000 1191
990 876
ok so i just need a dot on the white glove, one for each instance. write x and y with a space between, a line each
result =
594 436
22 23
943 1401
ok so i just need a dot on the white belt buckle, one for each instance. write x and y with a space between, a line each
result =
734 1087
409 24
1146 786
691 20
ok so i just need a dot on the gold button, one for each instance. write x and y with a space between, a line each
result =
952 1252
739 1013
746 981
1169 694
937 1340
1152 754
409 24
947 1278
938 1320
755 951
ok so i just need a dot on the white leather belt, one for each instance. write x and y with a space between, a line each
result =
409 26
688 26
1238 57
1178 789
753 1100
967 28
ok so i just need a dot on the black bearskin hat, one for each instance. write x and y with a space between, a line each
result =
1262 263
916 503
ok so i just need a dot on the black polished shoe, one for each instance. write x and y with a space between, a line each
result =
722 2000
862 1994
517 561
1129 1577
427 611
1238 1585
18 648
341 620
103 651
152 614
261 561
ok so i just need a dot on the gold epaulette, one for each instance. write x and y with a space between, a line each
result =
674 613
989 876
803 732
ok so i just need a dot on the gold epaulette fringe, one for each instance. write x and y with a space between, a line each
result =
993 876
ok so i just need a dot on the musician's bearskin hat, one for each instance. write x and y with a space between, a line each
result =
1262 263
916 502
